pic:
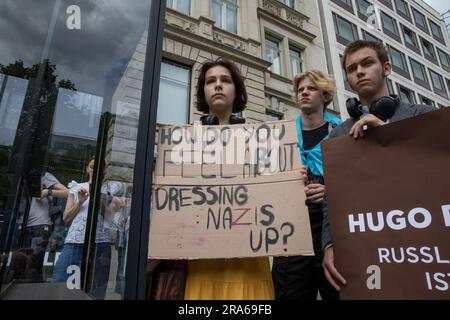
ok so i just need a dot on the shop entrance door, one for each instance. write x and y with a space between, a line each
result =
71 82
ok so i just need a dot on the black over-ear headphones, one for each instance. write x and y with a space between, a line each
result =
210 120
383 108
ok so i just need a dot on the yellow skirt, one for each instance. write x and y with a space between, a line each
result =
229 279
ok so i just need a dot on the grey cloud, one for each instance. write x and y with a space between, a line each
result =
92 57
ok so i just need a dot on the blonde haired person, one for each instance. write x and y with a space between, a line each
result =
324 83
301 277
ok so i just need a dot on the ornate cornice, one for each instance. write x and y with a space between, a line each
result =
284 16
202 34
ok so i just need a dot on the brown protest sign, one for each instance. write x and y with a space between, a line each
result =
225 192
389 207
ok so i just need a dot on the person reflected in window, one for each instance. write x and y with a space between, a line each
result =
116 204
75 216
39 223
220 94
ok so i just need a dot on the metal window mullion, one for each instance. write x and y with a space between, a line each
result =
136 259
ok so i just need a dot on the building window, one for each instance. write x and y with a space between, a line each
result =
273 116
225 14
370 37
428 51
390 87
420 21
410 39
289 3
402 9
390 26
427 101
273 54
399 64
448 85
363 9
445 59
419 73
346 4
387 3
438 84
296 60
174 89
346 31
436 31
406 95
180 5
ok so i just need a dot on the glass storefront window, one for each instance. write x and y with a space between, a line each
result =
71 80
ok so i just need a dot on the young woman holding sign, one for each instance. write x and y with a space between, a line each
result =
221 93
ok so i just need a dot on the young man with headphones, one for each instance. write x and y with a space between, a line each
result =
301 277
367 66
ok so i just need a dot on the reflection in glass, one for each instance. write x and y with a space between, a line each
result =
75 215
11 102
84 111
64 93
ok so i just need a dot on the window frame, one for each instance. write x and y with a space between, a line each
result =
442 93
289 3
175 6
387 3
189 85
390 85
275 39
432 59
223 12
440 52
278 115
361 15
396 35
412 93
424 28
447 80
422 97
371 36
416 48
397 69
419 81
440 37
407 15
301 60
344 5
339 38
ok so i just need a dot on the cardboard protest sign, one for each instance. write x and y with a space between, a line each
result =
389 207
229 191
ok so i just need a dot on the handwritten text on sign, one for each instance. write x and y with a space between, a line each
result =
227 192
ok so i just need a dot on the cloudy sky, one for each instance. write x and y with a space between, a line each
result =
94 57
440 5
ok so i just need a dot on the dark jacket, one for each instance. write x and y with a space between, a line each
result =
403 111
